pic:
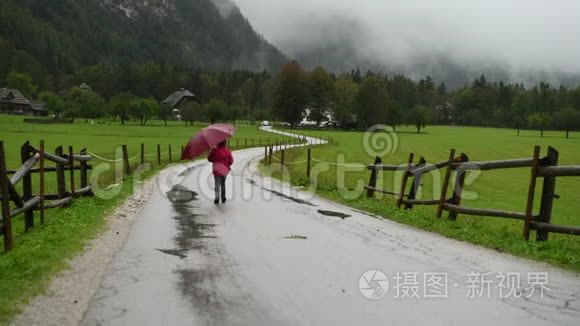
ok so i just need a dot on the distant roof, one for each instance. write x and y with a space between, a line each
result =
38 106
174 99
13 96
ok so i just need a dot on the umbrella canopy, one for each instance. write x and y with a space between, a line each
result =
207 139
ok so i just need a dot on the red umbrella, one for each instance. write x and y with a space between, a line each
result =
207 139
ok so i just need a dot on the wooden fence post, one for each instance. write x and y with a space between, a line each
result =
265 155
406 175
271 154
127 167
373 179
445 185
71 165
142 153
308 162
531 193
84 170
458 188
170 156
41 181
25 154
60 180
158 154
416 184
548 193
282 162
6 220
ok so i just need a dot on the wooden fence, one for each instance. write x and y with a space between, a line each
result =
34 161
28 202
541 167
412 173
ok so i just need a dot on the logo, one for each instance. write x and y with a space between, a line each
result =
373 284
380 140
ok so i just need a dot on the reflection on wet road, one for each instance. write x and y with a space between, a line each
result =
276 256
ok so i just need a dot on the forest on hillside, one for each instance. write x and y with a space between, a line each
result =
50 42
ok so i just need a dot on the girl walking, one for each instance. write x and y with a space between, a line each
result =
222 160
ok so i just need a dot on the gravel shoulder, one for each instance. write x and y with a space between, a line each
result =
69 293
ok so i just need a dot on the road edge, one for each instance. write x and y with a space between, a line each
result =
68 294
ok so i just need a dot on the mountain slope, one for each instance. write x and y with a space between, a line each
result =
52 40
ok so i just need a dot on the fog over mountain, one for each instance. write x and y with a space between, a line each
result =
453 40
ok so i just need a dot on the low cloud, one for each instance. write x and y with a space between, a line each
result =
513 38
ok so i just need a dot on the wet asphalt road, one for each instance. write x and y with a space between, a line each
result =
276 256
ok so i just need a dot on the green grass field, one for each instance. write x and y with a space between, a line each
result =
103 139
41 252
500 189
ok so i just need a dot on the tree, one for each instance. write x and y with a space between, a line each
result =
21 82
518 113
567 119
419 116
394 116
267 94
121 106
192 112
291 93
249 92
143 109
85 103
211 88
345 92
321 94
216 110
372 103
164 112
540 121
54 103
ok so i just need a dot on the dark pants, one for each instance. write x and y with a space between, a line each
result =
220 186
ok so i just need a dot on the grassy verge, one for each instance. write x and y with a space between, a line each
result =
503 190
42 252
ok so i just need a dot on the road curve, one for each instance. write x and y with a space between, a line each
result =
276 256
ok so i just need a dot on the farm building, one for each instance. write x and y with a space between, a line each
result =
179 99
13 102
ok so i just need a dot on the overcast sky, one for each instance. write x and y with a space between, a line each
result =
519 34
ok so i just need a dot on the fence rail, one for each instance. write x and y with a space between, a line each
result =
33 161
545 167
541 167
26 203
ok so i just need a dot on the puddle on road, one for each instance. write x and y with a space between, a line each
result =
190 169
296 237
294 199
282 195
334 214
194 234
174 252
181 195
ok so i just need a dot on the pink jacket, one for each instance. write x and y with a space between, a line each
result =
222 160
